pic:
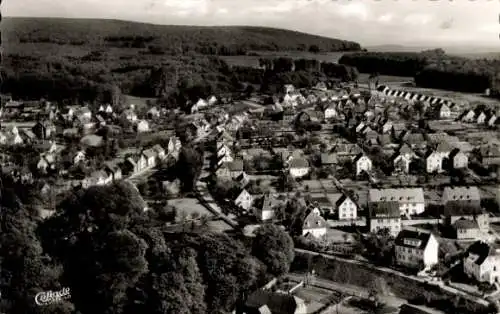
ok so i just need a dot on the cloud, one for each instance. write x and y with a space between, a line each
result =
354 10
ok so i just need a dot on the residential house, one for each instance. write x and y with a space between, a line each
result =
466 229
130 115
137 163
362 163
433 162
265 209
410 200
464 202
142 126
468 116
224 153
174 146
44 129
314 225
482 262
79 157
416 249
160 152
492 121
28 136
100 120
269 302
387 127
298 167
83 113
244 200
99 177
199 105
112 170
12 130
243 180
331 112
153 113
67 113
288 89
46 163
150 156
344 207
458 160
401 163
481 118
384 215
15 139
444 111
415 140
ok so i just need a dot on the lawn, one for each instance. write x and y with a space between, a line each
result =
189 206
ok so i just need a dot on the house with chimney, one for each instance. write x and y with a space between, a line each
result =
416 249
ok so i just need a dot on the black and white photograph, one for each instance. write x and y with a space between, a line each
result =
250 157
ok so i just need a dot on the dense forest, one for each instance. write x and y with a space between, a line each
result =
78 60
432 68
116 258
165 39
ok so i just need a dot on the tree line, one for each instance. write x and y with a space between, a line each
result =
432 69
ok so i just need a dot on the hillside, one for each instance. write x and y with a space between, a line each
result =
223 40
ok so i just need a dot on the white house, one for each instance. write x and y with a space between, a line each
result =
244 200
469 116
416 249
212 100
79 157
200 104
362 163
492 120
410 200
174 145
444 111
434 162
314 225
224 153
142 126
481 118
150 156
346 208
331 112
298 167
482 262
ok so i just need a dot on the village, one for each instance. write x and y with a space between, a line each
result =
334 165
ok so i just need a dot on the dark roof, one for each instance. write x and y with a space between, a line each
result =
462 208
383 209
299 163
314 221
420 239
328 159
277 302
463 223
482 250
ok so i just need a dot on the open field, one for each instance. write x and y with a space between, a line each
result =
189 206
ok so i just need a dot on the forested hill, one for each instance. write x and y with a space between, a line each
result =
222 40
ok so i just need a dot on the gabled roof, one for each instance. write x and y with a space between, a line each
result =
359 156
414 195
383 210
443 147
479 251
149 153
413 239
298 163
463 223
328 159
314 221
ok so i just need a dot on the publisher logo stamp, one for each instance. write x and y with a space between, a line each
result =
51 297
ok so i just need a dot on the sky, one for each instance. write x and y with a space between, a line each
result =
369 22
